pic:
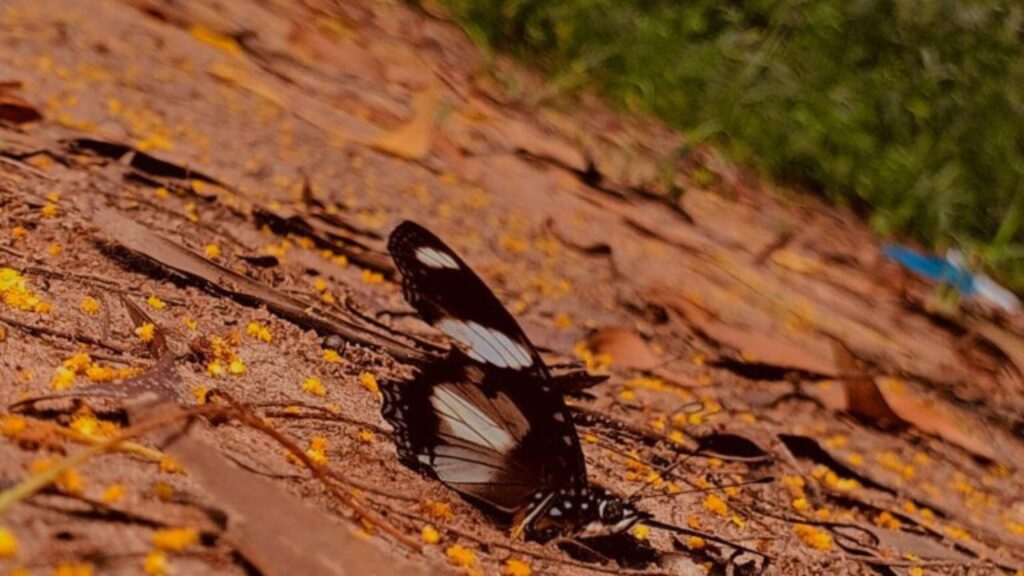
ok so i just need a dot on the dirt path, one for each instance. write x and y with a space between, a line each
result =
283 140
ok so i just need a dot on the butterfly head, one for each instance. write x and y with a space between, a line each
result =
585 513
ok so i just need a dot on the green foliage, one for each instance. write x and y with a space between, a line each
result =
914 108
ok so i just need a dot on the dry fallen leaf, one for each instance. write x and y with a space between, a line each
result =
412 141
14 109
624 346
751 346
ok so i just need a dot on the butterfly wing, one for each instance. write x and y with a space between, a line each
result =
487 421
452 422
448 295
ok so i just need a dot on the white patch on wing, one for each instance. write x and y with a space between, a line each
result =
436 258
463 420
486 344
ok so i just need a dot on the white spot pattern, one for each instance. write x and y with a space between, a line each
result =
462 419
485 344
436 258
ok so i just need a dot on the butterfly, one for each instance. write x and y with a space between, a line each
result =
488 420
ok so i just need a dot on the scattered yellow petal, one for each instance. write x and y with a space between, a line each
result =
190 323
175 539
317 451
49 210
54 249
113 493
18 232
886 520
813 537
915 571
215 368
170 465
62 379
161 192
70 481
371 277
215 39
314 386
155 564
90 306
366 435
78 363
331 357
369 381
716 505
695 543
641 531
8 543
259 332
163 491
236 367
438 510
319 284
73 569
211 251
200 393
12 425
563 321
460 556
957 533
155 303
514 567
146 332
800 504
430 534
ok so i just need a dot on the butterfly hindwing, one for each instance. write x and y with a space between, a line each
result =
455 421
447 294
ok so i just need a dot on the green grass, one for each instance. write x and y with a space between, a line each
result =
913 108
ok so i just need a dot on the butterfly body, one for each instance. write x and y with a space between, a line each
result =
487 420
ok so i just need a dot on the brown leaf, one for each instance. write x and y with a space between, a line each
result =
275 531
863 398
1007 342
937 418
888 402
412 141
751 346
141 240
624 346
14 109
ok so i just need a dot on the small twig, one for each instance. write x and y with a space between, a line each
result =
250 419
27 168
37 482
35 329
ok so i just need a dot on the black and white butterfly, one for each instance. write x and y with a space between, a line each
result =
488 420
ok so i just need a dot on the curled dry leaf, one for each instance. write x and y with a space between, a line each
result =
625 347
751 346
14 109
889 402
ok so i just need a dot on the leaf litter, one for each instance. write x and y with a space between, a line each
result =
248 133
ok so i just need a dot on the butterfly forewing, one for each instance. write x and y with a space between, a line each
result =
447 294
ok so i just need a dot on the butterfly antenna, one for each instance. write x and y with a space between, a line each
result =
764 480
661 474
701 534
